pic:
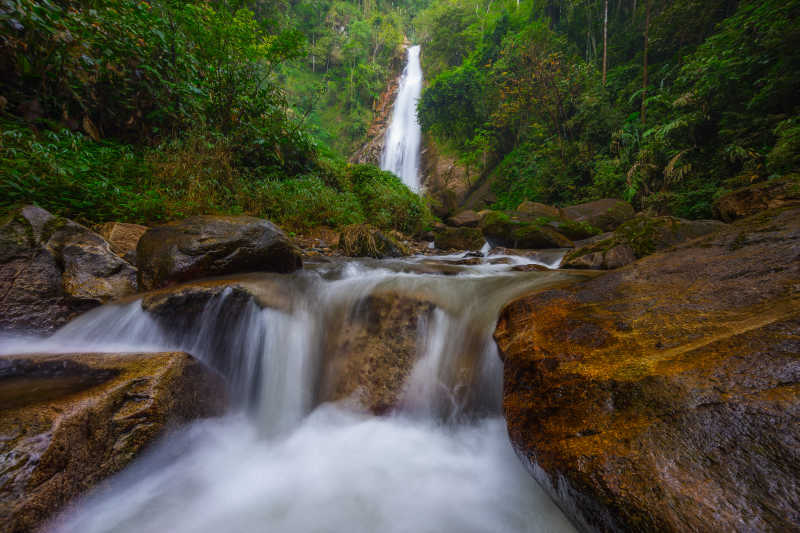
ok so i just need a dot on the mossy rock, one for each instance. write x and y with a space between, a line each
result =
606 214
747 201
462 238
637 238
363 240
500 229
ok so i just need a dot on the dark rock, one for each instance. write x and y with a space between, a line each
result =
750 200
665 396
69 421
463 238
606 214
204 246
474 254
52 269
467 218
500 229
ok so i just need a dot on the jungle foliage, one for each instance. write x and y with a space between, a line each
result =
699 96
147 111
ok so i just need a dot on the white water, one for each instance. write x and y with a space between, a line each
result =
401 149
282 460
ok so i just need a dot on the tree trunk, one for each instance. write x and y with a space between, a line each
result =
644 71
605 42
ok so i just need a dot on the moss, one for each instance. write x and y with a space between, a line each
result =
641 234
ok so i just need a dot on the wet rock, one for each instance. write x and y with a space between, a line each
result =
665 396
187 301
772 194
204 246
467 218
500 229
529 268
537 210
123 238
363 240
52 269
636 238
369 355
603 258
69 421
606 214
463 238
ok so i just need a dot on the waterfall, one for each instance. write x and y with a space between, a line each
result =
282 459
401 149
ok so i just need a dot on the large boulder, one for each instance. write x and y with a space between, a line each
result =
536 210
606 214
504 230
363 240
468 218
464 238
69 421
637 238
123 238
747 201
665 396
52 269
371 351
204 246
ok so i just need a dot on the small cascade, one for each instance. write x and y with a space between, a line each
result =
402 146
284 460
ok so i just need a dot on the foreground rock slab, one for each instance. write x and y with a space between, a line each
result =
52 269
665 396
68 421
207 245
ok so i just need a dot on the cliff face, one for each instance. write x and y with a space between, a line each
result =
370 152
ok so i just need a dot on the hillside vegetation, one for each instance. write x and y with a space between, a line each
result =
148 111
687 99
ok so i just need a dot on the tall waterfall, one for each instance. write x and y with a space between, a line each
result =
401 150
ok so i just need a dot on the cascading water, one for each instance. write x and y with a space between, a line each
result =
284 461
401 149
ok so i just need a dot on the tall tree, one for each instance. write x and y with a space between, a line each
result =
644 70
605 42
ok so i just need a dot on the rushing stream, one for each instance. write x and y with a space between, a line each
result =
401 150
282 460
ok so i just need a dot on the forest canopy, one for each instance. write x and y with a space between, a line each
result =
686 98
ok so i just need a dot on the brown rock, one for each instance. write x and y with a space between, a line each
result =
52 269
464 238
665 396
370 354
122 237
204 246
530 268
467 218
68 421
606 214
750 200
536 210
